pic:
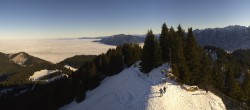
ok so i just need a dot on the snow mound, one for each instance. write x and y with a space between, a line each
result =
70 68
39 74
132 90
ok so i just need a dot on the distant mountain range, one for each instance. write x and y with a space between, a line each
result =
91 37
121 39
229 38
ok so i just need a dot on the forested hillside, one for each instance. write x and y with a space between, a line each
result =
191 64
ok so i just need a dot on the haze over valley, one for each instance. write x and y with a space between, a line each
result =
53 50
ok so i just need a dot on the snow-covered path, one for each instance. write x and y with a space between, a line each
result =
177 98
132 90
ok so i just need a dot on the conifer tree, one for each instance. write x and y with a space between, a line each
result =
164 43
233 87
205 77
151 53
246 85
193 56
157 58
177 54
115 61
147 53
131 53
181 33
176 70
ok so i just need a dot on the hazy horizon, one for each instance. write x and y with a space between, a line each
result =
53 50
46 19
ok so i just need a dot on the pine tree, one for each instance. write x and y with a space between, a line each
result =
176 70
164 43
233 88
181 33
157 58
177 53
151 53
246 86
91 70
115 63
193 57
147 53
131 53
205 76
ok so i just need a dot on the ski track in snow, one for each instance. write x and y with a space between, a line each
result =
132 90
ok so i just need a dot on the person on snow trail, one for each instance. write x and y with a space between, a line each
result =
164 89
161 92
206 88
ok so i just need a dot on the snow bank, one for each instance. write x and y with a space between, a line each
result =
132 90
70 68
39 74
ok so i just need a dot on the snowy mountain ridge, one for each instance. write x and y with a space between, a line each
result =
132 90
229 38
19 58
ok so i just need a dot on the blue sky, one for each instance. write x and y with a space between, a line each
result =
87 18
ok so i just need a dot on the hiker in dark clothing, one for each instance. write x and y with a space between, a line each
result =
164 89
161 92
206 88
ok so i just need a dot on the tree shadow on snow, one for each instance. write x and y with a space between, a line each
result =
200 93
154 95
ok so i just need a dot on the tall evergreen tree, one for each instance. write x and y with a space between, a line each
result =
164 43
205 76
115 61
131 53
177 53
246 86
233 88
181 33
157 58
193 56
147 53
176 70
151 53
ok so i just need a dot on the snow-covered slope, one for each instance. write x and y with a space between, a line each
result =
39 74
70 68
20 58
131 90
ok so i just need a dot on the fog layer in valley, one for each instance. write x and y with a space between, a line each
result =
53 50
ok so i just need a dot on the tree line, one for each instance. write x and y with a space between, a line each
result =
196 65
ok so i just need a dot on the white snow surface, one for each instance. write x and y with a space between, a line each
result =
132 90
70 68
39 74
20 59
